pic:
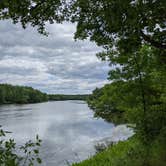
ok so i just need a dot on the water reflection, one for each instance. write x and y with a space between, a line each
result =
67 128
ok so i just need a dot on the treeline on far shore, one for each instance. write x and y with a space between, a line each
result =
20 94
57 97
10 94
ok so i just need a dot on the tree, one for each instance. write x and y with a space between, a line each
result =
137 94
109 102
2 96
33 12
123 25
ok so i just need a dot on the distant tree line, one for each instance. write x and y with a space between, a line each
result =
20 94
57 97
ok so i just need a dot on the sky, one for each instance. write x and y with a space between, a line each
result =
55 64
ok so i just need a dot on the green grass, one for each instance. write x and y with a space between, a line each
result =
129 153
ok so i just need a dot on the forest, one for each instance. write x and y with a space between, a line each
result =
20 95
56 97
10 94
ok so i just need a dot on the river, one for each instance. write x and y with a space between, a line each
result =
67 128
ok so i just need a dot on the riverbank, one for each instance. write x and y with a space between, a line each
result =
112 156
130 153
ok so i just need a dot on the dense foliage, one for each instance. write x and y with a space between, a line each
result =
137 94
56 97
107 102
29 152
20 94
120 25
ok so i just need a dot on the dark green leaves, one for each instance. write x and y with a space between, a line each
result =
137 93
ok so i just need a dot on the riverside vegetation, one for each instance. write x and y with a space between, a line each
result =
29 152
21 95
132 35
140 103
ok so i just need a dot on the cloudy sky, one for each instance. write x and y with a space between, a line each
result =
54 64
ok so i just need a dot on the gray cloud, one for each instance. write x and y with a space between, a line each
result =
54 64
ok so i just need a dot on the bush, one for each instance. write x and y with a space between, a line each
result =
9 152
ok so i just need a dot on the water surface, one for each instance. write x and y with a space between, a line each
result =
67 128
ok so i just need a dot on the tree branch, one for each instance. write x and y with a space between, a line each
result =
37 5
153 42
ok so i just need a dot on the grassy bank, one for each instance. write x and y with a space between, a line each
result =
130 153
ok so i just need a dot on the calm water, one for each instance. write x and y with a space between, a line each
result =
67 128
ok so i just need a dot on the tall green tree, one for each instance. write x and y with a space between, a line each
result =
137 93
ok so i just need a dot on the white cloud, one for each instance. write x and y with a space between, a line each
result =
54 64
